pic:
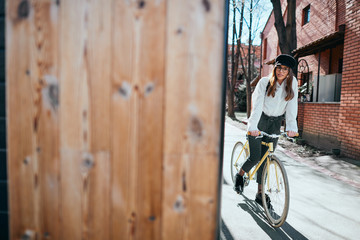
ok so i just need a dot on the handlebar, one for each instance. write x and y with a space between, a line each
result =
285 134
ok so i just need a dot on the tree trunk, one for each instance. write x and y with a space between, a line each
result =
248 79
291 25
286 35
232 80
238 44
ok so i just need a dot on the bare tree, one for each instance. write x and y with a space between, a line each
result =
286 34
249 77
234 59
246 57
249 70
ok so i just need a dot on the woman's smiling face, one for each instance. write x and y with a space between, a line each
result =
281 72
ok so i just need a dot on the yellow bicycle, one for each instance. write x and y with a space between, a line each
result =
274 179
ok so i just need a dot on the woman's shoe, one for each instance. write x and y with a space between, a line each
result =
239 183
258 199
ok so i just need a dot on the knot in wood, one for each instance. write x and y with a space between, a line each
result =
50 92
149 88
28 235
26 160
206 5
54 95
179 204
195 128
23 9
179 31
141 4
125 90
88 161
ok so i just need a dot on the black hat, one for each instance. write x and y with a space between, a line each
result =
285 59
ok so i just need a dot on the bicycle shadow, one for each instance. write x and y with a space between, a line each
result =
286 231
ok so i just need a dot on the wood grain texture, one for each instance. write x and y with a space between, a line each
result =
46 122
138 79
114 118
192 119
85 118
32 78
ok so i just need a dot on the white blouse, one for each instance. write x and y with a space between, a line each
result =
274 106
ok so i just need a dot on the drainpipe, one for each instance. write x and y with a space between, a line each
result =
318 78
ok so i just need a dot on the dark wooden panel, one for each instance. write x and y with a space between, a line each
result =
2 66
3 139
2 7
3 175
2 102
4 196
4 226
2 32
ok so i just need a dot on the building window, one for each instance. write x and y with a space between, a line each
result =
265 48
306 15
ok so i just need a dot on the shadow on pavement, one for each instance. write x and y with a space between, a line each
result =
286 231
225 233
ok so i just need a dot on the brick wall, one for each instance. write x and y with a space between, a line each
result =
270 34
319 129
340 4
350 91
322 20
301 117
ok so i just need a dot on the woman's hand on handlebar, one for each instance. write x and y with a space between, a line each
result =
292 134
254 133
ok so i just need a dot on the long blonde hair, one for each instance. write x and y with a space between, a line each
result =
288 87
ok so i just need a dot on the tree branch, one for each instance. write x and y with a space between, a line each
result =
280 26
291 25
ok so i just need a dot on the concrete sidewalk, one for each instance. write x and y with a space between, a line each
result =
324 194
341 168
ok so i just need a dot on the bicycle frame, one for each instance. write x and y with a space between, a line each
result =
266 155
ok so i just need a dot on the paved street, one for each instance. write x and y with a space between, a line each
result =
324 199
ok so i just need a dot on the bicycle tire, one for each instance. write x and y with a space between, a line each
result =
276 186
236 166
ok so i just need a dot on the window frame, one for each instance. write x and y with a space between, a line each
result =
306 15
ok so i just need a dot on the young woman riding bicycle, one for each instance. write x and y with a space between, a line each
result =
274 96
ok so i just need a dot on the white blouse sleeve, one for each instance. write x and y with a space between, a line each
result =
292 109
257 104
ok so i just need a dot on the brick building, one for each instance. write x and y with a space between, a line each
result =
255 57
328 51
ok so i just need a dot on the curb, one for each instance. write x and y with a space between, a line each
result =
323 170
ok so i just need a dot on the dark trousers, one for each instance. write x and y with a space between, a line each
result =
270 125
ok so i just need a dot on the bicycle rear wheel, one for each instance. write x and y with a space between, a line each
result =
276 187
238 157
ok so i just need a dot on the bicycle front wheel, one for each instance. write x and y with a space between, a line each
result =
276 187
238 158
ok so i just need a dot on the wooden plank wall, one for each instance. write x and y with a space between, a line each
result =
114 118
